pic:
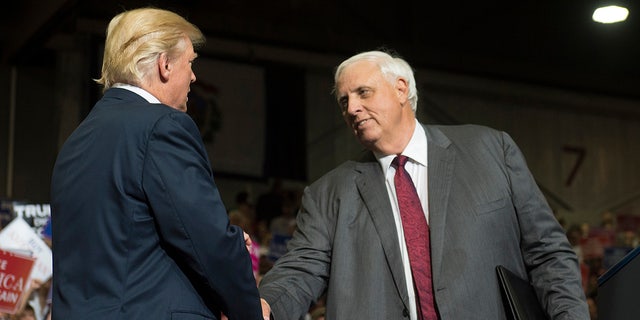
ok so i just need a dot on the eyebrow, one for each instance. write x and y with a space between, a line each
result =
363 87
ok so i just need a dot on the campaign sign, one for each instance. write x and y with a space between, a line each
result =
18 236
35 214
14 279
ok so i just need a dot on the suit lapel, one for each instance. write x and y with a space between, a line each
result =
372 189
440 173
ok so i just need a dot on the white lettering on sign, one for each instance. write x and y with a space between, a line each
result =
32 210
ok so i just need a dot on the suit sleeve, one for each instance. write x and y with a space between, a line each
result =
552 263
192 220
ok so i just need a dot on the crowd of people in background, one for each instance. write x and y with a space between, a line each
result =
601 246
270 220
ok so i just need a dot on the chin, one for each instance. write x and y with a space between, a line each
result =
369 135
366 141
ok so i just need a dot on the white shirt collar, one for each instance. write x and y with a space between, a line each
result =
416 149
139 91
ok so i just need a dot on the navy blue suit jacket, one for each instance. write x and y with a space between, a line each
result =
139 229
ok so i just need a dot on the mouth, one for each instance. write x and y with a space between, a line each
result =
360 124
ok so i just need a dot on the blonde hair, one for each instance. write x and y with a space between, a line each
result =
135 40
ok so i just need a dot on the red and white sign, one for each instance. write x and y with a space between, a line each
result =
14 279
19 237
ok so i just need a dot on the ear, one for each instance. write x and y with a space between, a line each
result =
402 90
164 67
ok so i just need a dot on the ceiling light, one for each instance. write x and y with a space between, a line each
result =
610 14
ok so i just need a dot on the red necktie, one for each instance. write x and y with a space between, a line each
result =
416 235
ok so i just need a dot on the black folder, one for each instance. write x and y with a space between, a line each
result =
519 297
618 289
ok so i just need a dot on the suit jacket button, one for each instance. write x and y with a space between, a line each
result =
405 313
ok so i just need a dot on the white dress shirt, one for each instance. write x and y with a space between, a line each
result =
416 166
139 91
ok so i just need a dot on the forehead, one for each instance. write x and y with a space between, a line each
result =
189 49
358 74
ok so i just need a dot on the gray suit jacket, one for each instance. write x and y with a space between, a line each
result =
485 210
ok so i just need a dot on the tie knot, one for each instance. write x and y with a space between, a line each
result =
399 161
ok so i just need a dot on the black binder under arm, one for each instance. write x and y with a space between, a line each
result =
519 297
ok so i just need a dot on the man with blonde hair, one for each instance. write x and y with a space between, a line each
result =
139 228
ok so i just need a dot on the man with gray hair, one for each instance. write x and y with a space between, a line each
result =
416 229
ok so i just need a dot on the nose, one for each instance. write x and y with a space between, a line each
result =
193 77
353 106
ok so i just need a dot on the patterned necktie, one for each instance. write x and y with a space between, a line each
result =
416 235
